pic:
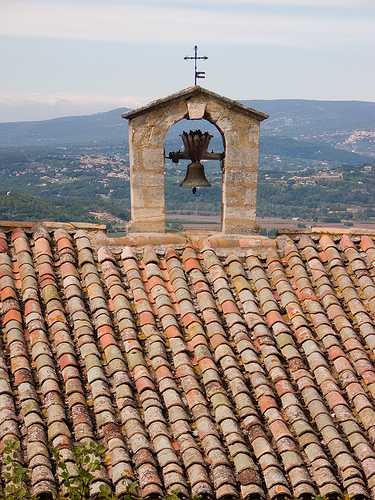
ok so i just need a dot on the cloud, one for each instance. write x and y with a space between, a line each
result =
234 3
281 3
172 22
35 106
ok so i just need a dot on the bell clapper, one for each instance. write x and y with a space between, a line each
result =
194 190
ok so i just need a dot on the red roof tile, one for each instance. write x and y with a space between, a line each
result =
235 376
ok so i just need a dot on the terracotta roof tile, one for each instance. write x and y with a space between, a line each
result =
216 373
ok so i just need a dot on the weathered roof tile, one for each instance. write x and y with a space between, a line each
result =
194 350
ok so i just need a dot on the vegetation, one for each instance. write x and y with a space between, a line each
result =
81 184
63 185
16 475
24 207
87 462
335 195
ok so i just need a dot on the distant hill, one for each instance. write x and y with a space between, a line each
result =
348 125
332 131
72 130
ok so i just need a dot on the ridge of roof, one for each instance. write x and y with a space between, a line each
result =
190 92
68 226
328 230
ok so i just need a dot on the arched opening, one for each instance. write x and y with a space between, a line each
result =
183 209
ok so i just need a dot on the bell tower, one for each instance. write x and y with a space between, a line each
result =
239 126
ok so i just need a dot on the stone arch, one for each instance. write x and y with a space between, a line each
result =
187 201
239 126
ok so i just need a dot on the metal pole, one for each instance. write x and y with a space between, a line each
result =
195 66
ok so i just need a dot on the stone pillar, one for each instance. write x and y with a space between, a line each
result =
240 169
147 185
240 179
146 155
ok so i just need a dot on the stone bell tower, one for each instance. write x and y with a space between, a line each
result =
239 126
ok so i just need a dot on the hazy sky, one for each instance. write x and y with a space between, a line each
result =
61 57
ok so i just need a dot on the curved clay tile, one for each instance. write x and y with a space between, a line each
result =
260 386
338 403
302 376
41 470
250 377
99 388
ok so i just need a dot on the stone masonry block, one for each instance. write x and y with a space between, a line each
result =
241 156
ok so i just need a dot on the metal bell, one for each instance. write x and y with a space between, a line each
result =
195 176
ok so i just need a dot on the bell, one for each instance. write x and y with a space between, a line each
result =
195 176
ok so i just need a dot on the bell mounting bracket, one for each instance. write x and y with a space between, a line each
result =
196 148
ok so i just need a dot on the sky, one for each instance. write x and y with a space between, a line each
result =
75 57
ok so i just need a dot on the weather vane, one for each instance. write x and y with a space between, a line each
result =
197 74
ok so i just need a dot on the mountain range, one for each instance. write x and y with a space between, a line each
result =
331 131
